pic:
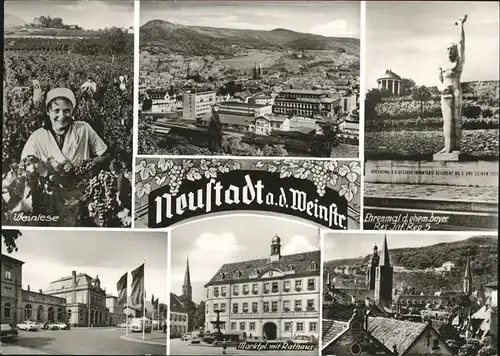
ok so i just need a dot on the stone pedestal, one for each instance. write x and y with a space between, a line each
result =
453 156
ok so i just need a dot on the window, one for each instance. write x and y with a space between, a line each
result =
274 287
28 312
6 310
242 326
312 327
255 273
233 326
310 304
237 275
298 285
221 276
223 291
265 306
207 293
298 305
311 285
255 288
245 289
266 288
286 286
255 307
235 307
8 273
245 308
274 307
236 290
222 327
300 327
7 290
216 306
288 326
216 291
252 326
286 305
223 307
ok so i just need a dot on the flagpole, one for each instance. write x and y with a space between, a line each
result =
144 302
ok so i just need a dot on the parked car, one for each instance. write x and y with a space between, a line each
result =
195 340
59 326
301 339
7 332
186 337
28 325
122 325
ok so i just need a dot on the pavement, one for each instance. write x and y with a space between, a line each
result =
178 347
96 341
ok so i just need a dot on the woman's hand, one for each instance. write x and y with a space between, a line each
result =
461 20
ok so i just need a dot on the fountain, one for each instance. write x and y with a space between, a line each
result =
217 324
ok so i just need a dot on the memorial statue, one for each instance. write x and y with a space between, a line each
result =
451 92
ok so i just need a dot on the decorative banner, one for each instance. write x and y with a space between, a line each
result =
169 191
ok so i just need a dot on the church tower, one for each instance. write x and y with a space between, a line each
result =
467 278
275 249
187 290
383 278
372 266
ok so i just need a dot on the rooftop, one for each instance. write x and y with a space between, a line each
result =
300 263
242 105
304 91
11 259
389 74
395 332
331 329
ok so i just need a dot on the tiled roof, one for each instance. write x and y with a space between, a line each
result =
176 304
395 332
272 118
299 261
331 329
304 91
344 312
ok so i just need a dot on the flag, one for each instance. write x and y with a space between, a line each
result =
121 286
137 293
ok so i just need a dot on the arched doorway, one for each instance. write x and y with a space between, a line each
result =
270 330
39 314
28 312
51 315
59 314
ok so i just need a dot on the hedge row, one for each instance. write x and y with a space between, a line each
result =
414 143
428 123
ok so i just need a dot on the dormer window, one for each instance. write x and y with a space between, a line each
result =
290 268
221 277
237 275
313 266
255 272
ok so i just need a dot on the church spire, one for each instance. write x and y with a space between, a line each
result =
467 278
384 255
186 286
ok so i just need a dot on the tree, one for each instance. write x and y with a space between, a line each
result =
199 316
448 332
9 239
274 151
408 86
422 94
215 132
471 348
373 97
322 145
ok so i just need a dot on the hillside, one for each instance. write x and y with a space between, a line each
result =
12 21
197 40
482 250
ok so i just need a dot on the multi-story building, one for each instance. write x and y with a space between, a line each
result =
348 103
263 99
264 125
194 105
116 311
277 296
244 109
11 289
41 307
305 103
178 315
85 299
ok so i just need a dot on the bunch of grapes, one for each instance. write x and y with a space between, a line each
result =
102 194
320 178
176 175
81 168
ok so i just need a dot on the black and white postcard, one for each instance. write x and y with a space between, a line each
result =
249 78
238 290
409 294
67 113
431 116
69 292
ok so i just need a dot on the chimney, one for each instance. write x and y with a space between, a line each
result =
395 349
73 274
40 291
28 287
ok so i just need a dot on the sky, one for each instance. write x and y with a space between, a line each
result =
335 19
353 245
94 14
210 243
411 38
52 254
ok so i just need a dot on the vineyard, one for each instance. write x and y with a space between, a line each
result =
106 106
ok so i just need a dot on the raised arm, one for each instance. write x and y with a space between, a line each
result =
461 38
